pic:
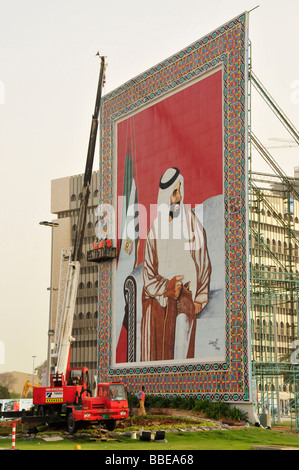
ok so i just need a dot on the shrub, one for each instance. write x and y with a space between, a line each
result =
132 399
237 415
202 406
212 410
217 410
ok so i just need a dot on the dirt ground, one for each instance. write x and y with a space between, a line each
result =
175 417
171 412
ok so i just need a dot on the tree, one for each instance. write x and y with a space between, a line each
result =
4 392
40 368
7 380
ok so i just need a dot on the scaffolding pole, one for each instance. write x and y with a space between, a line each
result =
274 282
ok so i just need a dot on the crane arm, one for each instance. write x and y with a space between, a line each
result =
88 168
70 259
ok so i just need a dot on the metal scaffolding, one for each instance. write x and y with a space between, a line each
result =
274 278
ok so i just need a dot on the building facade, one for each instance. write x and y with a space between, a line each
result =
274 288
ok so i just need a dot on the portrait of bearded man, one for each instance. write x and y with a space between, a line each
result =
176 275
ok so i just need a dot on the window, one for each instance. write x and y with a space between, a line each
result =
76 377
102 391
117 392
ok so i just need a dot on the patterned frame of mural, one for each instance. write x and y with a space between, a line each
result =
229 380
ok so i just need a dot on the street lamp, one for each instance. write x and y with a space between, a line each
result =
50 331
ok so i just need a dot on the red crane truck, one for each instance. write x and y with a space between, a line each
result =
70 402
67 398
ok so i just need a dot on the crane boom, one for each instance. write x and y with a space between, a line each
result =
70 259
68 399
88 168
67 294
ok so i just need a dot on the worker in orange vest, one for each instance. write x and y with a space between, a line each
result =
108 242
102 244
141 399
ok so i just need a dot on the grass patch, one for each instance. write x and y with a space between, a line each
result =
240 439
213 439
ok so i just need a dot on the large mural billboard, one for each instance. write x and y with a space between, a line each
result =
172 164
173 199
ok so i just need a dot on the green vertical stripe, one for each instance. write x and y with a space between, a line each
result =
128 178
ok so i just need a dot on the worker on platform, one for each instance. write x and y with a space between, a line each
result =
102 244
141 399
108 242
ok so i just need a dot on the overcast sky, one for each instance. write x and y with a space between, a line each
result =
48 78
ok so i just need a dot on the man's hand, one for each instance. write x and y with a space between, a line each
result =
174 287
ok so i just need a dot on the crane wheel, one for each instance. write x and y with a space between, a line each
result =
110 424
71 423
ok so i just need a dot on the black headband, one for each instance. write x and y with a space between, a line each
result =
169 182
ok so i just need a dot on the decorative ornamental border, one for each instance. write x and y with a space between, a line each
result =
229 380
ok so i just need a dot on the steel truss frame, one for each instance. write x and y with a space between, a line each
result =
274 282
